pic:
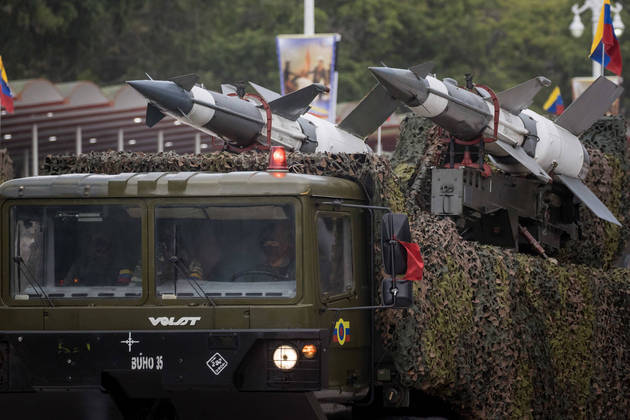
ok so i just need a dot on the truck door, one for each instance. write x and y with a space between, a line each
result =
343 281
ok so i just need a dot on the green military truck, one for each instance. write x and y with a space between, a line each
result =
192 294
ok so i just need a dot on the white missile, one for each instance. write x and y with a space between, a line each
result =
266 118
525 142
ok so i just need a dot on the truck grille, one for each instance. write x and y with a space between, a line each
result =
4 366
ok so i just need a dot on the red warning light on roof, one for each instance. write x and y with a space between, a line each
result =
277 159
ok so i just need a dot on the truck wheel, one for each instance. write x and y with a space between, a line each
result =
148 409
162 409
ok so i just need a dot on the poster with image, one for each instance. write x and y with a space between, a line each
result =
307 59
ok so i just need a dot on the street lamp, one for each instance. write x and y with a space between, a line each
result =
618 25
577 28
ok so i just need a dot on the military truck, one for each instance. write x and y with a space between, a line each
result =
192 294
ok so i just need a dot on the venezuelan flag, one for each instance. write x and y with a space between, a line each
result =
605 42
6 97
554 104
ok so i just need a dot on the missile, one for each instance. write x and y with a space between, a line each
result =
522 142
244 121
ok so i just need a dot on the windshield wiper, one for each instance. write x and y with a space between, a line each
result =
30 278
179 266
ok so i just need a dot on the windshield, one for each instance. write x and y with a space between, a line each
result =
75 251
227 250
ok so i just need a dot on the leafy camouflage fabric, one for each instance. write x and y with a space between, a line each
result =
6 165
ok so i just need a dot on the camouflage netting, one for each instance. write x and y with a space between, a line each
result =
496 334
408 148
372 172
505 335
608 136
6 165
601 242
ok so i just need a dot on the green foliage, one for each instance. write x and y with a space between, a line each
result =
113 41
501 42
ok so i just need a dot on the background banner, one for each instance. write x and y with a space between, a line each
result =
307 59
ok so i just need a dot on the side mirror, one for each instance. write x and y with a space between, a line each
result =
404 294
399 293
394 226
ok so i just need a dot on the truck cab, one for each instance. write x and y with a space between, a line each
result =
175 288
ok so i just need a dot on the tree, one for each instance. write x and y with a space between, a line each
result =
501 42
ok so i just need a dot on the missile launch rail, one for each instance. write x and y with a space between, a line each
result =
495 209
543 162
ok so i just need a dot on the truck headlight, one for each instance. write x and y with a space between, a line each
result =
285 357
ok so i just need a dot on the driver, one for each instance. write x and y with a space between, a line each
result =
276 244
97 265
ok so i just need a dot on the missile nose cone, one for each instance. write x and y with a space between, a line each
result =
141 86
402 84
165 94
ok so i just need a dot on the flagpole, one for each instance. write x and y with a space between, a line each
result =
603 57
602 17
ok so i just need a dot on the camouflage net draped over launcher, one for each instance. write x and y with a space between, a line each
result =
509 335
6 166
494 333
600 243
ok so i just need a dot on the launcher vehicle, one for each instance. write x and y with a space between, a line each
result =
193 294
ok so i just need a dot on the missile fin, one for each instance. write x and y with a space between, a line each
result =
267 94
589 199
371 112
293 105
521 96
526 160
589 106
227 89
422 70
185 82
154 115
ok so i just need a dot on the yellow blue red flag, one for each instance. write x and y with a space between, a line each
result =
605 46
6 97
554 104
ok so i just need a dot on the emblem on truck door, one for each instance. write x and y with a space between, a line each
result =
341 334
167 321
